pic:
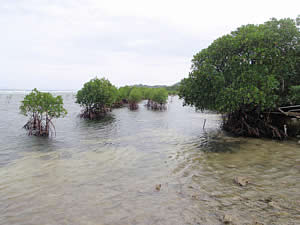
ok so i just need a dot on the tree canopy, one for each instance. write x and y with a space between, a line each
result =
135 95
148 94
160 95
124 92
254 67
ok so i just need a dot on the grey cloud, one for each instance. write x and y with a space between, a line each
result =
60 44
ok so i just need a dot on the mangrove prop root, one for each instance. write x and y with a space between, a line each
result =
252 124
133 106
94 113
118 105
40 126
155 106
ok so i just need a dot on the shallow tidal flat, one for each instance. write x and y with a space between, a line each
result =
143 167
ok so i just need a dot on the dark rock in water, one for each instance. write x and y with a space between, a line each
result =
227 219
267 200
158 187
242 181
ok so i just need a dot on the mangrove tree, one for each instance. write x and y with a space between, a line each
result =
96 97
247 75
41 108
134 98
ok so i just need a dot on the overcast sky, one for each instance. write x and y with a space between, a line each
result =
60 44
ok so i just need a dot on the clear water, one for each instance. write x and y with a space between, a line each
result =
106 172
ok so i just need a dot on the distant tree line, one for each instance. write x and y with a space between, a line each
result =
172 90
157 97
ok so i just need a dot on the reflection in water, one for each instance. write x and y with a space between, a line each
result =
99 123
105 172
215 141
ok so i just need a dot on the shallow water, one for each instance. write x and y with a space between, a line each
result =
106 172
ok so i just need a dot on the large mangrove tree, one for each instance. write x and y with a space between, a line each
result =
246 75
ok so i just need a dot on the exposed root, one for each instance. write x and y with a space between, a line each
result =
117 105
40 126
133 106
253 124
155 106
94 113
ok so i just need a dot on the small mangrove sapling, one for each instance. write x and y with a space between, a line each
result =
41 108
97 97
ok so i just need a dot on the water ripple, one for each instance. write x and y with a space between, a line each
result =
105 172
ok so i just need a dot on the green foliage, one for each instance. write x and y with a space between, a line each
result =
160 95
253 68
173 90
124 92
148 93
143 91
97 94
43 104
41 108
295 94
135 95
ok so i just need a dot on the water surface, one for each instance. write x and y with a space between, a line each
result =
105 172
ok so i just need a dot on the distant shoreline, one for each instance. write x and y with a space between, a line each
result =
27 90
